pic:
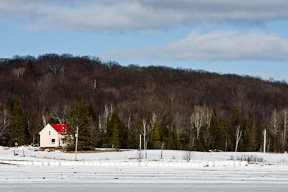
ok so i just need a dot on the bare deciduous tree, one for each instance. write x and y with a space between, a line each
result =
274 123
4 122
144 133
285 123
56 68
238 136
60 113
274 126
19 72
178 121
103 119
201 116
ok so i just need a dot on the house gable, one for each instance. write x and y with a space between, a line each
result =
48 128
51 135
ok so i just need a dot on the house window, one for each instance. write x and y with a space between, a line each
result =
49 132
52 141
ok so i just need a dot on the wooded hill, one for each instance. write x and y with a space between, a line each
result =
174 108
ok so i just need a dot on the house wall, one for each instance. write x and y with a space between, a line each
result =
60 141
46 138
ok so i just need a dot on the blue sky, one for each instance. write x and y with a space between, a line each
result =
225 36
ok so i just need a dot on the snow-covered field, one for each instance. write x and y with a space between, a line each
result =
32 170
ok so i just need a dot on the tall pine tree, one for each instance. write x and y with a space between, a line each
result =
116 135
79 116
155 135
234 123
18 131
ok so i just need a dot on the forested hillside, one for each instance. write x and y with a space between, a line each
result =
113 105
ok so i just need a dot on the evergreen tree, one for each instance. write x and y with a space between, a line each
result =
259 140
215 131
155 135
174 142
133 140
79 116
32 128
30 68
18 131
247 135
235 122
224 136
97 135
116 132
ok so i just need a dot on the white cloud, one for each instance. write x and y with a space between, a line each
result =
230 45
115 15
217 45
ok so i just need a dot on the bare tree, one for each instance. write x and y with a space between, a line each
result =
191 134
285 123
238 136
44 119
4 122
144 133
56 68
274 126
19 72
178 121
103 119
172 97
59 113
201 116
274 123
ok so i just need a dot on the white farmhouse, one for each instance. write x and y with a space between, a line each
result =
52 134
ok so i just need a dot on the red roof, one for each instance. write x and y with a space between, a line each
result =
59 127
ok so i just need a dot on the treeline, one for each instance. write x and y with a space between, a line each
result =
112 105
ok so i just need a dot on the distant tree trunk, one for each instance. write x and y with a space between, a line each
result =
144 133
238 137
274 127
44 120
4 122
178 121
162 147
285 122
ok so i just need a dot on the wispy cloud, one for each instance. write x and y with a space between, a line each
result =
267 76
115 15
216 45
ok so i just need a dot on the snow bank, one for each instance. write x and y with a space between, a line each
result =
145 163
128 158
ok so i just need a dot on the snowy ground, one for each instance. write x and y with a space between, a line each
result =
34 170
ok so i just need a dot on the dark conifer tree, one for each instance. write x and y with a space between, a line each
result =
116 132
224 135
155 135
33 129
79 116
234 123
248 135
215 131
30 70
18 130
174 142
